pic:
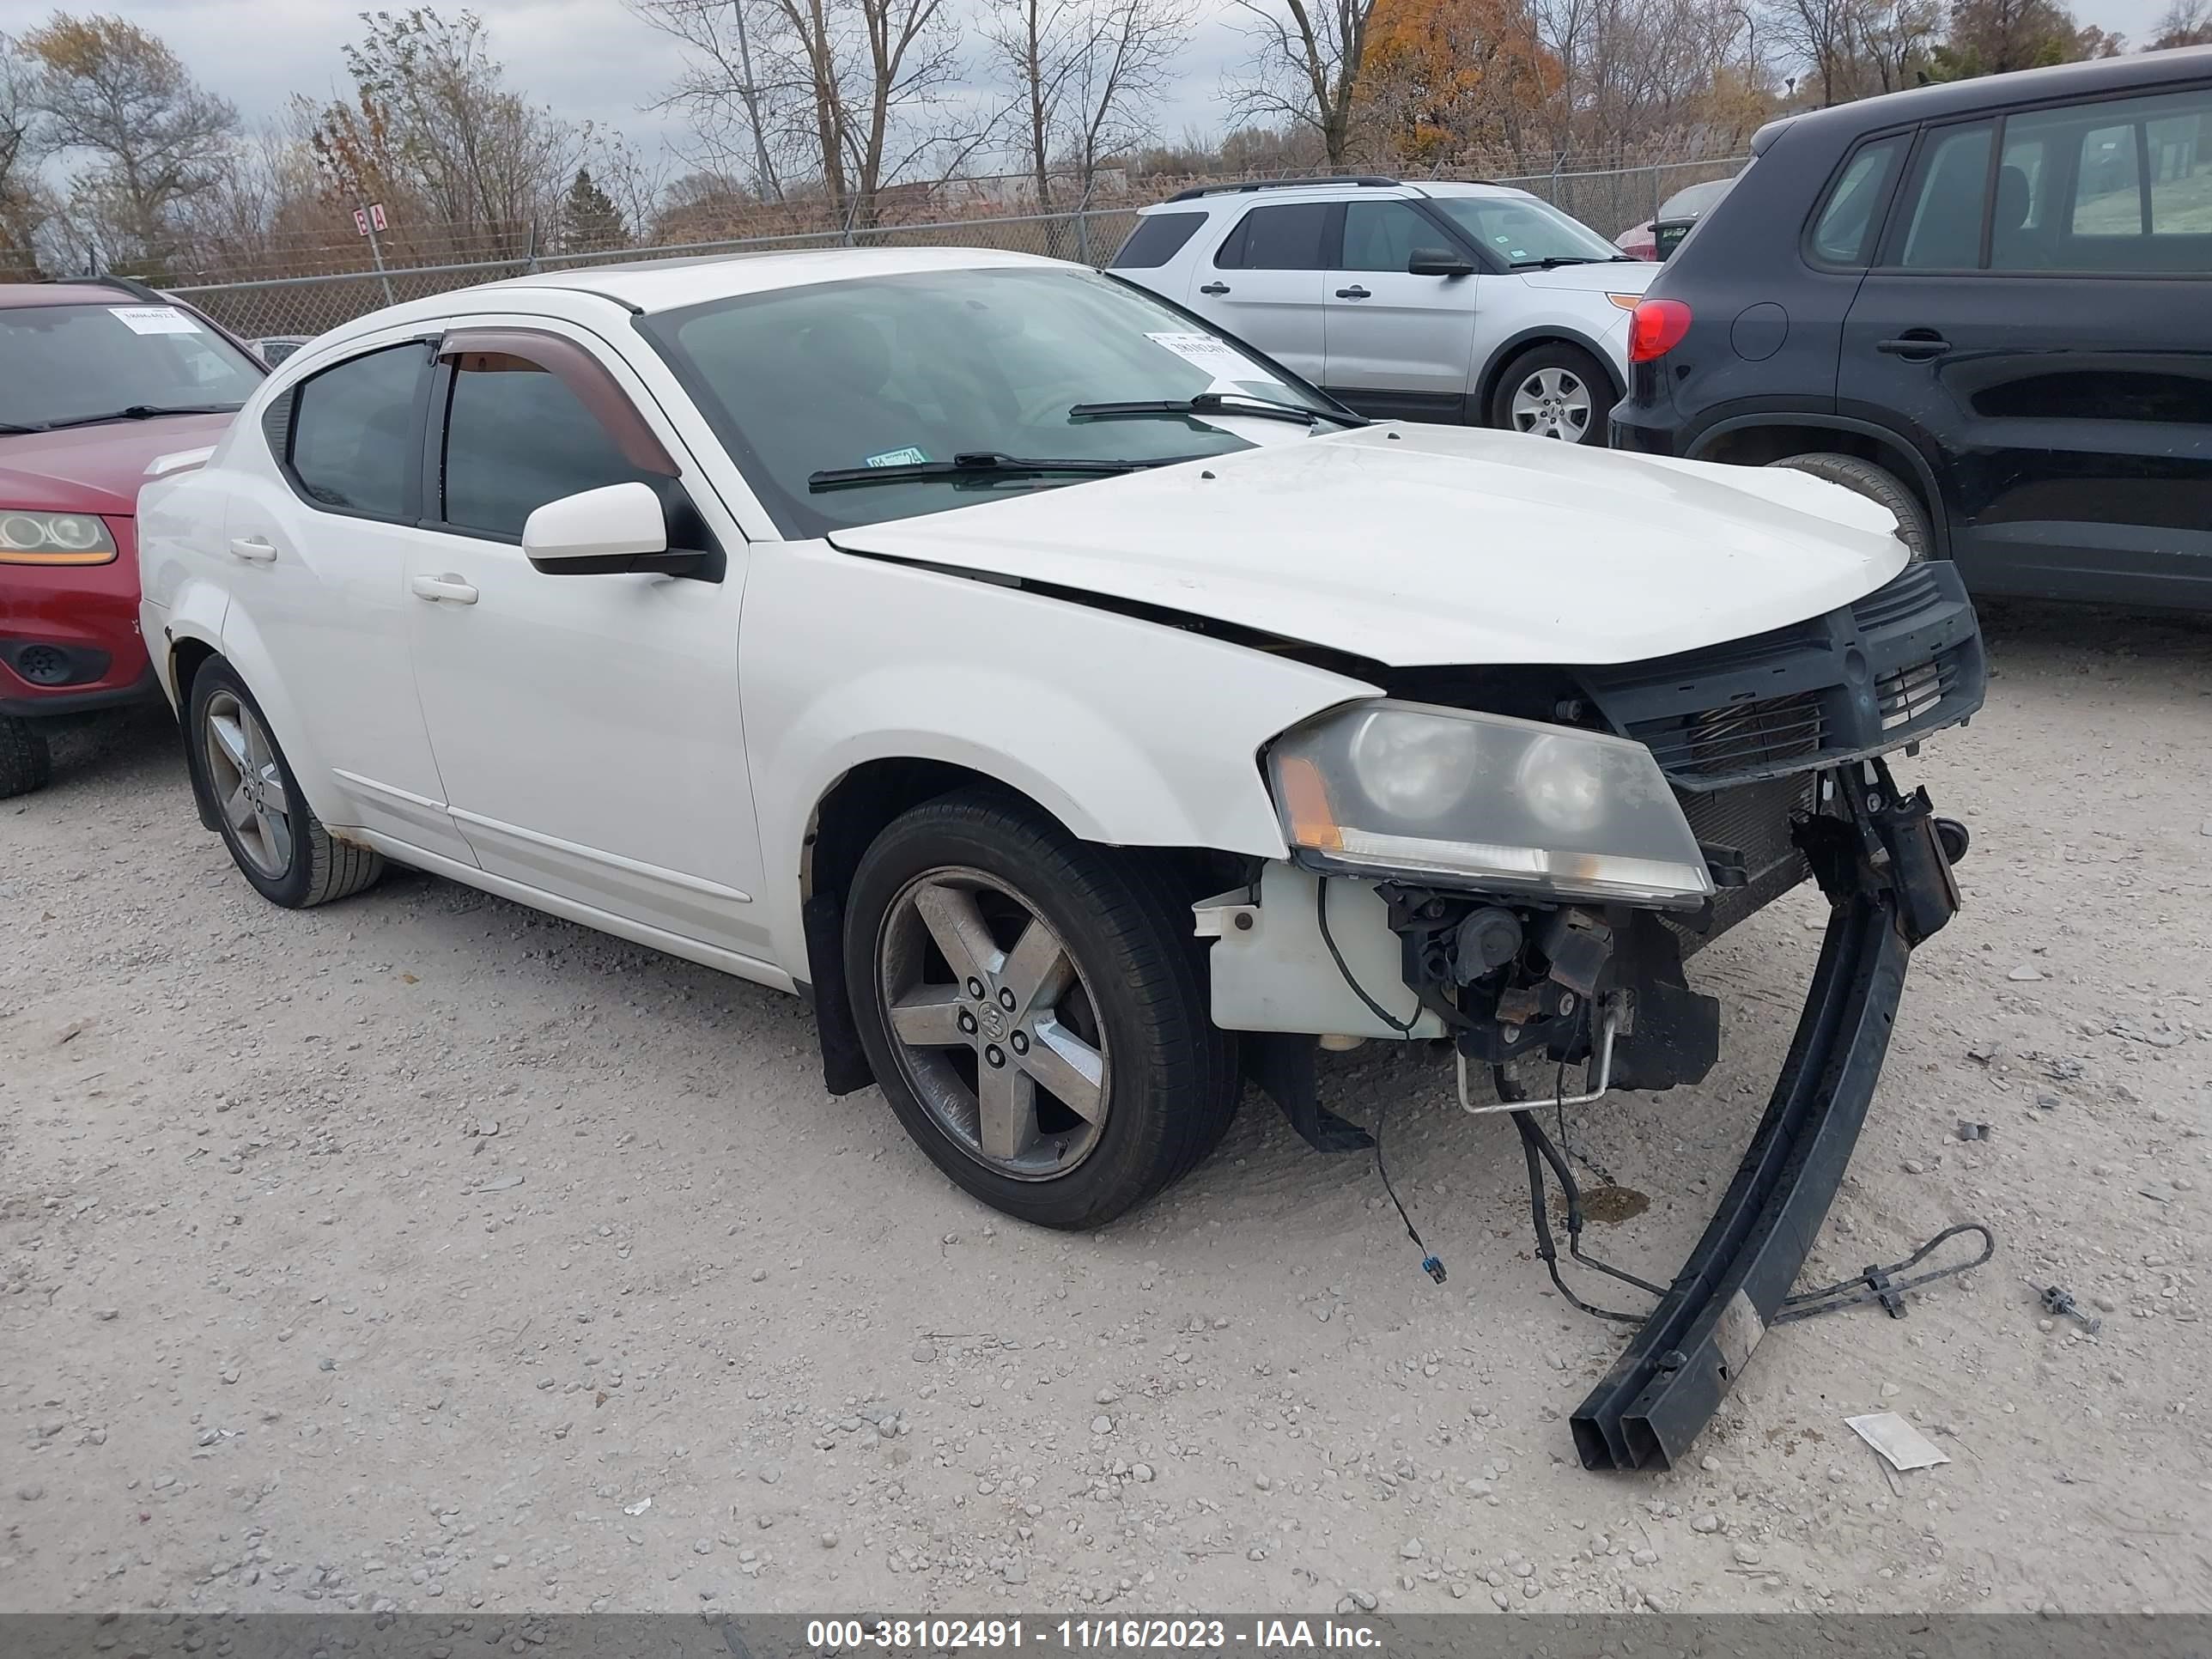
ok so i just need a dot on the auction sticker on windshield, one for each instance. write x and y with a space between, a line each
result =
155 320
1209 354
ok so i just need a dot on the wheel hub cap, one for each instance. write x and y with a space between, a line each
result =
992 1024
247 786
1551 403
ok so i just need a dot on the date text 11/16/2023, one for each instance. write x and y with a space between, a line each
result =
936 1634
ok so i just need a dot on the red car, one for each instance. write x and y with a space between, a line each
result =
98 380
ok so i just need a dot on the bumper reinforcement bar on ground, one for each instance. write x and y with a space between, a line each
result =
1667 1383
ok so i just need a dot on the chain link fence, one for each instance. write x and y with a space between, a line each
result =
1608 200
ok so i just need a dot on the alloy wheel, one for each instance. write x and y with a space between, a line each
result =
991 1024
1551 403
247 784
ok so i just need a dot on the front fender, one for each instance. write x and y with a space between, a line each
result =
1131 732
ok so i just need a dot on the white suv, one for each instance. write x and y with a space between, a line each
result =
1462 302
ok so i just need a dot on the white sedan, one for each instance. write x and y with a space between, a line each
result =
1084 713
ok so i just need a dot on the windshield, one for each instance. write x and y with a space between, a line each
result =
64 363
1524 231
894 371
1694 200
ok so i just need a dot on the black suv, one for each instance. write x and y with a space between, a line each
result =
1988 305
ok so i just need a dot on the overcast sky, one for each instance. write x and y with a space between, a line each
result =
591 60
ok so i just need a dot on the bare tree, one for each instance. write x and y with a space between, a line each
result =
1823 35
1307 60
1086 74
25 204
2186 23
154 139
636 184
719 90
1892 41
434 126
856 94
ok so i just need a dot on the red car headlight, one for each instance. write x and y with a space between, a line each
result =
54 539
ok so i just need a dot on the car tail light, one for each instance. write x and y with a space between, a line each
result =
1655 329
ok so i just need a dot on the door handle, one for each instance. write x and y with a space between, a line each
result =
253 548
450 589
1915 345
1355 292
1215 288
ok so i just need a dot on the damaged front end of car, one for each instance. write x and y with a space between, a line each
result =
1523 869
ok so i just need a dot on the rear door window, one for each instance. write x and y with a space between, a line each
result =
353 432
1284 238
1157 238
1943 228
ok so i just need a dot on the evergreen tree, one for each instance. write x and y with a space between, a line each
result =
589 219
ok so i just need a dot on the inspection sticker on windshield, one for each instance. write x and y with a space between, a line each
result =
906 457
155 320
1208 354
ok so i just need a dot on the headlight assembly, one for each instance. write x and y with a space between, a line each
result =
54 539
1483 800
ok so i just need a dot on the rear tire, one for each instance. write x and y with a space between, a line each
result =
274 836
1104 1011
1554 390
1876 483
25 763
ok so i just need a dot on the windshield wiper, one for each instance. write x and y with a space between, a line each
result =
1215 403
10 426
1552 261
979 464
141 412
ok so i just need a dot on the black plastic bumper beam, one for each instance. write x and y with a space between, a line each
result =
1666 1386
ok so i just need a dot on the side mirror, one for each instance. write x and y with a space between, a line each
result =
596 533
1438 262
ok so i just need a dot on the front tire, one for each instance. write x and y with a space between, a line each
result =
1035 1011
1876 483
1554 390
25 763
275 838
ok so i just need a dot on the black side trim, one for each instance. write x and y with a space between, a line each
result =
845 1068
276 424
1665 1388
1447 408
144 689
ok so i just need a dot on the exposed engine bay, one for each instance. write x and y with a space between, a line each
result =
1772 751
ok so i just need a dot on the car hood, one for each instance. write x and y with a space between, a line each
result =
1414 545
95 469
1606 276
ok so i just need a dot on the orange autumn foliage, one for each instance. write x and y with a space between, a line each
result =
1447 78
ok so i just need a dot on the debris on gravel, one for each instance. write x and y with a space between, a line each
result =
296 1224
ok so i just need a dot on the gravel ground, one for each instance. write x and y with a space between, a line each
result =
424 1252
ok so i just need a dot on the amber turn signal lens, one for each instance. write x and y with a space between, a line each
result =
1305 798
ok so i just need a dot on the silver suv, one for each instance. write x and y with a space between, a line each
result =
1433 301
1416 301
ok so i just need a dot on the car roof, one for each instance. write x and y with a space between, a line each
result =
15 295
2141 72
1233 194
652 285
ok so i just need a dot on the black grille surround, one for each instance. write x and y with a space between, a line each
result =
1859 681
